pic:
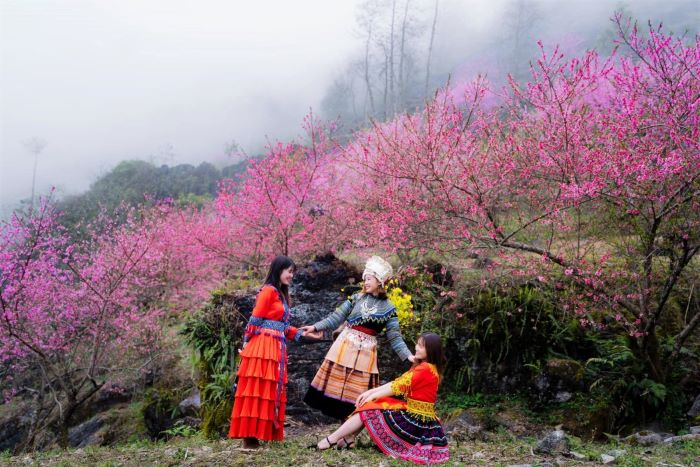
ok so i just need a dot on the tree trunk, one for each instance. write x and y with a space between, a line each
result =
402 84
689 328
63 435
430 48
392 77
368 82
386 81
652 357
36 162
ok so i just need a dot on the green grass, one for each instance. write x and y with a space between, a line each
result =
502 448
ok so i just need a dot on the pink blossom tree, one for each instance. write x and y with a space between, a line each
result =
74 316
287 203
587 178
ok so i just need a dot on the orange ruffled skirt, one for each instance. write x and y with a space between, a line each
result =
253 414
383 403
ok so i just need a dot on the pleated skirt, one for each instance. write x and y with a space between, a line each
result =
254 414
349 369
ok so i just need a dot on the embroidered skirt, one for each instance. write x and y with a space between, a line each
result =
402 435
349 369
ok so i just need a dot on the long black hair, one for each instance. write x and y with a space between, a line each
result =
278 265
433 350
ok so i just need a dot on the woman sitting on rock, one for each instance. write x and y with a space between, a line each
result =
405 428
350 366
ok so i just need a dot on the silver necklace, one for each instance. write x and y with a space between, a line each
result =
366 310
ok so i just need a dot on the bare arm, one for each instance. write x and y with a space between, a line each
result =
371 394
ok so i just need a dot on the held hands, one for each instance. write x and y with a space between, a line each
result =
317 335
310 332
412 358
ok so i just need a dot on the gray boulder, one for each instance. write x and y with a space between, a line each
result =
554 442
695 408
87 433
644 438
464 427
191 405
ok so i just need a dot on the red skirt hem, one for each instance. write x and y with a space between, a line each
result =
253 414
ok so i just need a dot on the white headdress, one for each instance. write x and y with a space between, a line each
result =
378 268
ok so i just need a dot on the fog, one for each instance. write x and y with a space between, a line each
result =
175 81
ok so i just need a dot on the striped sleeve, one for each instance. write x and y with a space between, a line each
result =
336 318
393 335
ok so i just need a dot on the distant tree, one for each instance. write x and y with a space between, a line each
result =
35 146
207 177
134 182
519 37
234 170
340 100
430 48
383 79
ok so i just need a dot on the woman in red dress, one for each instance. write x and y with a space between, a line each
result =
405 428
258 408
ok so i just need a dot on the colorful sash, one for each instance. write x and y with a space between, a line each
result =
280 326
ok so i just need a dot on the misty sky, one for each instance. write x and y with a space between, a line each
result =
174 81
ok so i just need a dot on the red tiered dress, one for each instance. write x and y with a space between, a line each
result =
261 395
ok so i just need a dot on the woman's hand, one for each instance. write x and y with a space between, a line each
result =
313 335
412 358
364 397
309 332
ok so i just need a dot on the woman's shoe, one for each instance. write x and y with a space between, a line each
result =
250 444
330 445
346 444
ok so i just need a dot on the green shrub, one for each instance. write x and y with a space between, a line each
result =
215 333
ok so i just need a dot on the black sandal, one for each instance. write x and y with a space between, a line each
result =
345 444
330 445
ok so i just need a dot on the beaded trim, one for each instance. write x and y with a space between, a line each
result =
424 410
358 338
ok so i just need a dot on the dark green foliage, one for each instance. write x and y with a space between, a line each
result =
132 181
159 410
517 326
215 333
516 340
507 335
618 375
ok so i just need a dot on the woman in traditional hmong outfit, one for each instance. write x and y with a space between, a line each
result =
258 408
405 428
350 366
